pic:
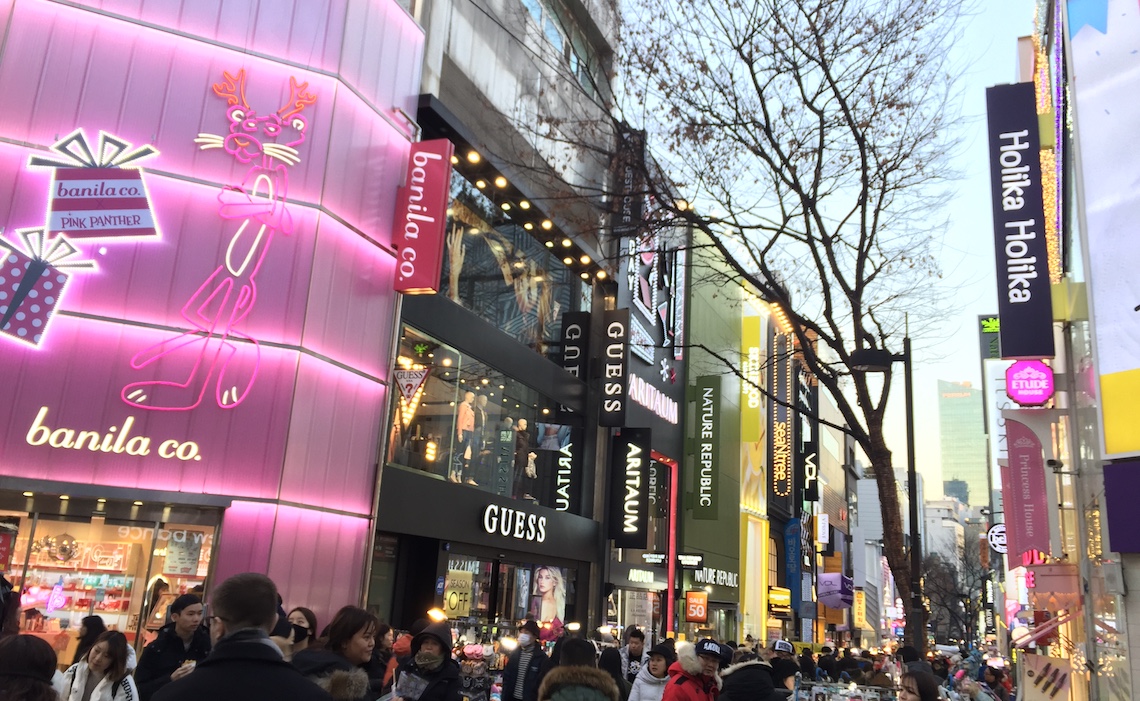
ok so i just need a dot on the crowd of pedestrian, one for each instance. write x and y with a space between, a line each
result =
249 648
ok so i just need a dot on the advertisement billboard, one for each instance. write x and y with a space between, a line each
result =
1106 84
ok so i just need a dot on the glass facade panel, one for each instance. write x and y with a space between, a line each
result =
473 424
497 269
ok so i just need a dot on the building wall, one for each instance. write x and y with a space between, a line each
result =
286 429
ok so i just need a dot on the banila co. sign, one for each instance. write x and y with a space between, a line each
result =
421 217
1025 304
1029 382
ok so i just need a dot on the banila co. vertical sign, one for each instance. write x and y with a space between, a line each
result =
421 217
1025 304
576 343
615 368
629 488
708 448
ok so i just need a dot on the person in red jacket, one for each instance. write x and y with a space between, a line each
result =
693 677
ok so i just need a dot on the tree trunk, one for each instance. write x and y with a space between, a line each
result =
893 546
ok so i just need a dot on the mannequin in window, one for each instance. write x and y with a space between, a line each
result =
465 434
479 450
524 459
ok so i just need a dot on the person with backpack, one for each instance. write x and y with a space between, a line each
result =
101 675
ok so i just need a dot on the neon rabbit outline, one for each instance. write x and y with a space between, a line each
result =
216 352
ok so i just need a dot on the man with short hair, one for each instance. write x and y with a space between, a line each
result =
827 663
180 645
245 664
633 655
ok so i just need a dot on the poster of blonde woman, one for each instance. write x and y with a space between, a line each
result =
549 601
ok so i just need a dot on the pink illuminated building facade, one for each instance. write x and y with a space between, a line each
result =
197 312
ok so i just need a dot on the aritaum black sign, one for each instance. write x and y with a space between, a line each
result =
1025 305
629 488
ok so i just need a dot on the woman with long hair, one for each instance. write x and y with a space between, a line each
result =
89 631
338 661
549 603
303 618
918 686
27 665
610 663
102 674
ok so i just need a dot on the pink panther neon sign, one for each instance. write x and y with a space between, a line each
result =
215 353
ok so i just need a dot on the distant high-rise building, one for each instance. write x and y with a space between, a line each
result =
956 489
963 440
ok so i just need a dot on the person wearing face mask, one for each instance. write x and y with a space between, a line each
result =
338 661
430 674
524 668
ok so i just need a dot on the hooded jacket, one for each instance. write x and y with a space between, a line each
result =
686 682
647 687
343 680
573 683
441 684
75 679
243 665
748 681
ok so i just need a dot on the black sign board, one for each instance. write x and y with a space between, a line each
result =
615 368
708 448
691 561
654 558
780 418
807 434
576 344
630 169
989 336
629 488
1025 304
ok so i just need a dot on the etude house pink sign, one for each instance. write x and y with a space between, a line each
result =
1029 382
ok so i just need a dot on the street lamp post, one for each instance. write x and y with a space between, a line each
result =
880 360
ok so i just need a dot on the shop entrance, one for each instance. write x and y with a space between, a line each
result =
123 561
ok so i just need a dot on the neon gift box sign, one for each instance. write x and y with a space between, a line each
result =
1029 382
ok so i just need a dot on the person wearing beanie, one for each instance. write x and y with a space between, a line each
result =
693 677
179 646
525 666
651 678
750 679
827 663
430 674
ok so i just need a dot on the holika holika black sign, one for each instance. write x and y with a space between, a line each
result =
708 448
1025 304
615 368
629 488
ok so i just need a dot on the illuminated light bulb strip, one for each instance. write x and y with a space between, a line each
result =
231 369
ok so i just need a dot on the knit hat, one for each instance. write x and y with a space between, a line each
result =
708 646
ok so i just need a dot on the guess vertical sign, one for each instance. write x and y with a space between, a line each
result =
615 368
421 218
629 488
1025 305
576 343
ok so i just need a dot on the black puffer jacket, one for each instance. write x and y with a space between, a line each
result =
748 681
343 680
165 655
441 684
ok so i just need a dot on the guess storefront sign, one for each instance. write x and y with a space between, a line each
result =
514 523
421 217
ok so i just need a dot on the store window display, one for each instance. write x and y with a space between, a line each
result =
497 268
465 421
